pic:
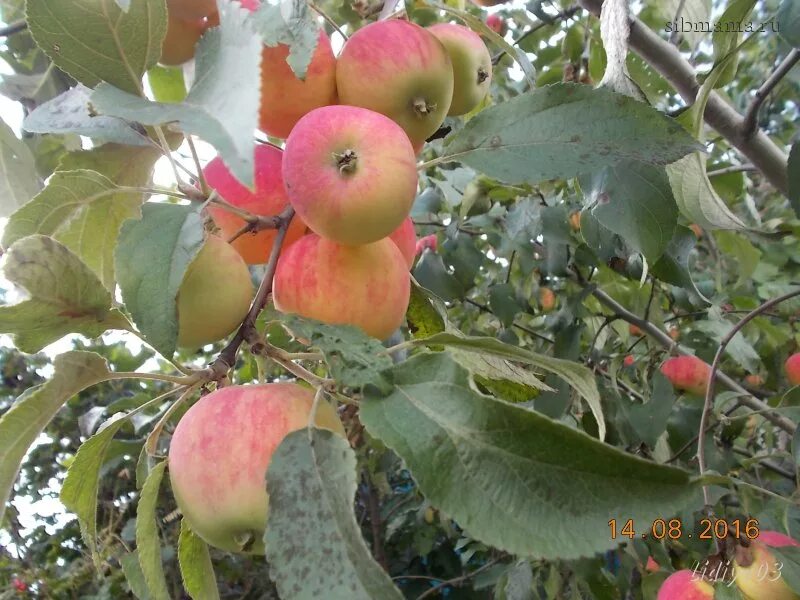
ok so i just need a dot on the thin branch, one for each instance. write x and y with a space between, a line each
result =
751 116
13 28
330 21
258 224
201 177
563 15
667 60
709 399
664 340
219 368
376 525
767 464
486 309
673 37
732 169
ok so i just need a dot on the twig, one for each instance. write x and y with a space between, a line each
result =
673 36
219 368
732 169
200 175
767 464
378 551
701 453
486 309
258 224
330 21
628 389
457 581
750 123
563 15
664 340
13 28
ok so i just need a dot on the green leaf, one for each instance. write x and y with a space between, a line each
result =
84 211
692 11
739 349
563 130
426 314
503 302
94 40
355 359
634 200
64 296
789 558
18 179
222 106
314 544
576 375
788 18
293 24
21 424
134 576
167 83
148 544
793 170
70 113
727 41
151 259
511 477
740 248
494 368
432 275
650 419
195 563
673 266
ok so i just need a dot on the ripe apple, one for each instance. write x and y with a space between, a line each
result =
406 239
472 65
757 571
754 380
191 9
635 330
497 24
547 299
214 295
367 286
652 566
180 41
674 333
220 451
350 173
400 70
284 97
269 198
687 373
792 368
575 221
628 360
429 242
685 585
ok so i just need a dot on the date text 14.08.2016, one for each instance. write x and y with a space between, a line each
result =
673 529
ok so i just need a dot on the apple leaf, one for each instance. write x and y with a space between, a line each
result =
21 424
167 83
634 200
563 130
195 563
576 375
84 211
692 11
354 358
18 179
133 575
98 41
726 41
222 106
314 544
148 544
291 23
511 477
788 17
426 314
673 266
70 113
64 296
151 259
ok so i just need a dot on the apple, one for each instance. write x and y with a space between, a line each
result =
674 333
269 198
687 373
350 173
472 65
628 361
429 242
635 330
547 299
191 9
757 571
366 286
792 368
214 295
180 41
401 70
284 97
497 24
406 239
685 585
220 452
575 221
652 566
754 380
696 229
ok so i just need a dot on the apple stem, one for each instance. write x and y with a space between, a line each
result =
422 108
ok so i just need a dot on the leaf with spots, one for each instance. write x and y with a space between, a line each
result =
64 296
511 477
95 40
314 544
426 314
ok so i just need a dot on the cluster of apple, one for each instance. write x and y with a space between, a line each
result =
756 572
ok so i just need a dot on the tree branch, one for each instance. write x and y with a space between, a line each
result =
13 28
660 336
563 15
668 61
751 117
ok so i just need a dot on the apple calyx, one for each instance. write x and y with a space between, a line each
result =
744 555
422 108
347 161
483 75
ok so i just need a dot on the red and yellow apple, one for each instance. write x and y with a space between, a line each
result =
269 198
757 571
366 286
220 452
350 173
687 373
214 295
429 242
685 585
180 40
400 70
472 65
497 24
191 9
405 238
547 299
792 368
